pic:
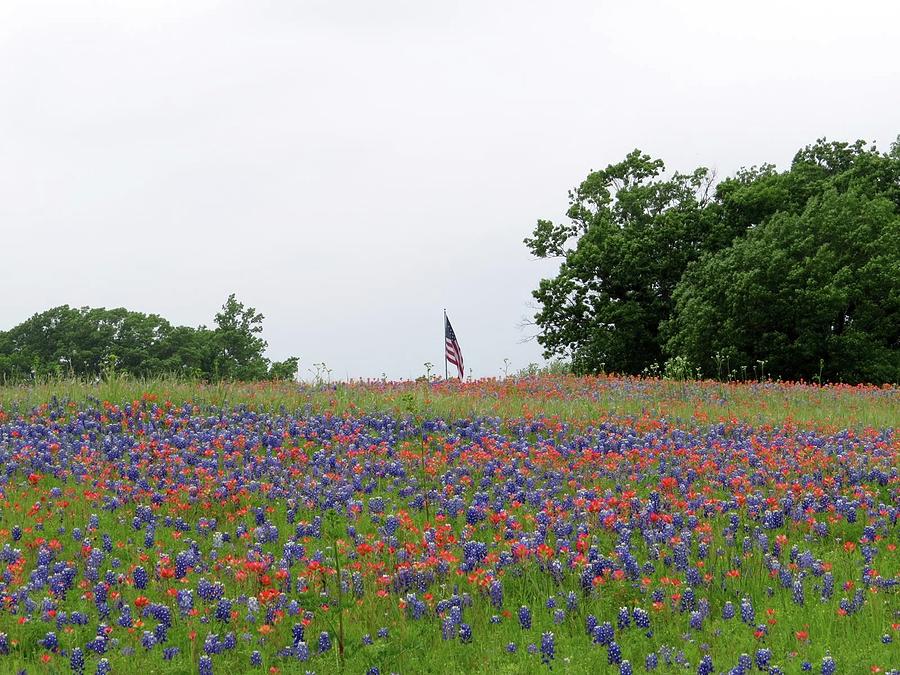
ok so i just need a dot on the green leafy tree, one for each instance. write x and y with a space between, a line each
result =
629 237
88 342
808 292
796 268
130 341
83 342
239 348
188 352
284 370
57 341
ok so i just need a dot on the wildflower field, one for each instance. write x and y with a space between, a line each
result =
545 524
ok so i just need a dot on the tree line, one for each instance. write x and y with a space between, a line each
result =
88 342
791 274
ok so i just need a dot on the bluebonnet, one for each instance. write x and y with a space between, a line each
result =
76 660
603 633
212 644
301 651
448 629
524 617
223 610
185 599
50 642
827 585
696 621
548 648
297 633
495 591
613 653
125 619
641 618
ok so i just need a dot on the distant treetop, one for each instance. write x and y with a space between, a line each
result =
86 342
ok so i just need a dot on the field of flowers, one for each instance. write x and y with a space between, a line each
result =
549 524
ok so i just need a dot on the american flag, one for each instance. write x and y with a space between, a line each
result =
453 352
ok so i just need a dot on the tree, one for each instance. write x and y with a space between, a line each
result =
87 342
239 348
811 294
797 268
284 370
188 352
129 341
61 340
633 233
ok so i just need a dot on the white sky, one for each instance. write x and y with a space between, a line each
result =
352 168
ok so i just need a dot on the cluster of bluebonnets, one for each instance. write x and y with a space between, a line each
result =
228 539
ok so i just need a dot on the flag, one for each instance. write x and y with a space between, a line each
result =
453 354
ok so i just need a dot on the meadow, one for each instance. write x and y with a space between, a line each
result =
524 525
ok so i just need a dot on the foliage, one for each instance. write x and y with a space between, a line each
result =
802 289
90 342
635 234
239 349
284 370
796 269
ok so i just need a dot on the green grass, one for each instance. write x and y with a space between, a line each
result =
564 397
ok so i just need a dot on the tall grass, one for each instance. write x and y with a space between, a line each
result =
576 399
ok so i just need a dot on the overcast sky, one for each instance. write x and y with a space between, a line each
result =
352 168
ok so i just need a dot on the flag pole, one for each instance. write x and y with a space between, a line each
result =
446 375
